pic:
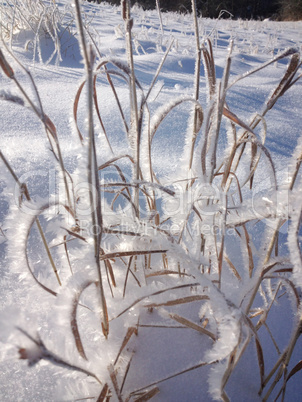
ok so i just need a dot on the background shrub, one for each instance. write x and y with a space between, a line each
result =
212 8
291 10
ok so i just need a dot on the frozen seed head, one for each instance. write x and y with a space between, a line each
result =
32 354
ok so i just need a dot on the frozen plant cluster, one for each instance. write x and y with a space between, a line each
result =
133 276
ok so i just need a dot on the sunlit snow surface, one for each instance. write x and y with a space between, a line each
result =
161 352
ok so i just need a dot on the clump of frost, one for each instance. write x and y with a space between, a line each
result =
215 376
229 332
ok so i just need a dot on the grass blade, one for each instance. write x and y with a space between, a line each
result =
103 393
130 332
148 395
73 320
192 325
183 300
113 377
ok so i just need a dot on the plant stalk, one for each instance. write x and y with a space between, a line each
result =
134 126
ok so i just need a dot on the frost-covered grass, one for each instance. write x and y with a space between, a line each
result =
38 25
136 275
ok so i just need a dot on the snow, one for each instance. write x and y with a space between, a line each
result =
162 356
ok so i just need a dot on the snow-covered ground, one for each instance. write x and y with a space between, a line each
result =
157 352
